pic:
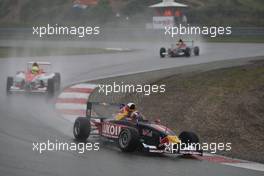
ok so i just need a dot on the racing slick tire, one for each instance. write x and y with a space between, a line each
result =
9 83
82 128
187 137
51 87
187 52
190 139
58 80
162 52
196 51
128 140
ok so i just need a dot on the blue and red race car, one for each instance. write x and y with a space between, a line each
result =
182 48
136 134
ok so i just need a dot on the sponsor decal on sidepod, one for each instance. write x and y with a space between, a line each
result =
111 130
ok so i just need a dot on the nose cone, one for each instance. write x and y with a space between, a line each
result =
170 139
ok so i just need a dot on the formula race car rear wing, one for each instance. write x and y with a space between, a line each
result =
188 41
90 107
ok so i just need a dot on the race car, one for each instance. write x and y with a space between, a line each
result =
180 49
40 81
136 134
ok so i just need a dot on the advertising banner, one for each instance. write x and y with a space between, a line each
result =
159 22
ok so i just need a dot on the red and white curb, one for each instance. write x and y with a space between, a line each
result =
71 103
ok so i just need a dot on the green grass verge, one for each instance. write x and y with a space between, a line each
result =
232 80
224 105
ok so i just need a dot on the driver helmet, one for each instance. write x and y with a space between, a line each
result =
35 69
35 64
131 106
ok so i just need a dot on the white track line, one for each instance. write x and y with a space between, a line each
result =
115 49
248 165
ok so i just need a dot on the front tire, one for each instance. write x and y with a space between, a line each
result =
58 80
9 84
128 140
51 87
190 139
196 51
162 52
81 128
187 52
187 137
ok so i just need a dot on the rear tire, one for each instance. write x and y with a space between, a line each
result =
9 84
58 80
196 51
187 52
162 52
128 140
51 87
82 128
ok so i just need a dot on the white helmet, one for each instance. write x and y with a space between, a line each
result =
131 106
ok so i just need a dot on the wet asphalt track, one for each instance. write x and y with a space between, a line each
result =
27 119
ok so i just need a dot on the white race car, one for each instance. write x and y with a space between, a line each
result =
42 81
